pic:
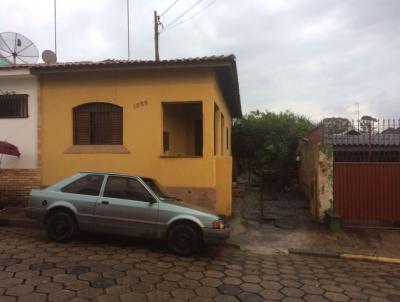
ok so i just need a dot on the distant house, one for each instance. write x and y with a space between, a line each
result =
170 120
391 131
19 126
352 132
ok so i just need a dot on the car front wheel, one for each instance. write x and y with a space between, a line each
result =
61 227
183 240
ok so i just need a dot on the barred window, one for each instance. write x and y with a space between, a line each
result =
98 124
14 106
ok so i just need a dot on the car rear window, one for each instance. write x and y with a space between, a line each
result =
86 185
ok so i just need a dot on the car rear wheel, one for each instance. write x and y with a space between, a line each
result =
183 240
61 227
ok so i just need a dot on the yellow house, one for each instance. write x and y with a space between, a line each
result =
170 120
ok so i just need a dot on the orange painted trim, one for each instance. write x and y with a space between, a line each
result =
84 149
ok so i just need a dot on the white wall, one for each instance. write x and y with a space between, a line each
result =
21 132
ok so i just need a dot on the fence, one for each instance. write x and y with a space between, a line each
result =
366 170
256 201
368 140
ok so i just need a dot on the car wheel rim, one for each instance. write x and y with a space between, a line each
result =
183 242
60 228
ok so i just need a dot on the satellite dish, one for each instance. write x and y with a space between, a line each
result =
17 49
49 57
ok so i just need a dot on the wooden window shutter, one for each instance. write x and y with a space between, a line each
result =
98 124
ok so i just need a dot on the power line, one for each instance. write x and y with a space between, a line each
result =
184 13
169 8
191 17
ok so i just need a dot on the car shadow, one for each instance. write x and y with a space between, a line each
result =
121 241
135 243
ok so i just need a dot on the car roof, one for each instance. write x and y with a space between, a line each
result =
112 173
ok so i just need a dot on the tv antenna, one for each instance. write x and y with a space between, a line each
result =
49 56
357 111
17 49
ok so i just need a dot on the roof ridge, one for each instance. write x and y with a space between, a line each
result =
122 61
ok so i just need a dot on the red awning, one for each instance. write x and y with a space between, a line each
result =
9 149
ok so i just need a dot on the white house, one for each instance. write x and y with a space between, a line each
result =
18 126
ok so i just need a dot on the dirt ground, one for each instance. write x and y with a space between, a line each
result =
286 224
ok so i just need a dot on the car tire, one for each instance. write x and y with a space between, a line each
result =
183 240
61 227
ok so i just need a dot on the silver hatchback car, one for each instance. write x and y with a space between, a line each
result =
126 205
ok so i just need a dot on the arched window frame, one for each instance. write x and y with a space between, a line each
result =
98 123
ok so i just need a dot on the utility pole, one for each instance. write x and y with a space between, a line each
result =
156 35
55 26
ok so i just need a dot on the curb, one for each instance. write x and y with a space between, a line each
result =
314 253
370 258
347 256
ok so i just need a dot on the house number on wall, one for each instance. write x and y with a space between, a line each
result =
137 105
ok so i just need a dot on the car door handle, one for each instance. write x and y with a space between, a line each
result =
105 202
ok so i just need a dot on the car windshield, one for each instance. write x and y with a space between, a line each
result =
156 188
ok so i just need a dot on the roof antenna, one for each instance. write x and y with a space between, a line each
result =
129 42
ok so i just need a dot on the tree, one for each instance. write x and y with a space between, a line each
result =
336 125
267 140
368 123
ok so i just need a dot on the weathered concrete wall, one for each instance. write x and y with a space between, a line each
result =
324 199
316 173
308 167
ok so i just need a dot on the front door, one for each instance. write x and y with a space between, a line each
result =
126 207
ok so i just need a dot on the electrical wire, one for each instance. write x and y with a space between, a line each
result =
169 8
184 13
191 17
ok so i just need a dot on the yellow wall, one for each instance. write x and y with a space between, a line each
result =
223 159
142 125
223 180
227 122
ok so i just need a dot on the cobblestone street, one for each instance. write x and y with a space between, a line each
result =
102 268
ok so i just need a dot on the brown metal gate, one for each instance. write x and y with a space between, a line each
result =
367 191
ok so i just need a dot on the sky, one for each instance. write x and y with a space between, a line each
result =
317 58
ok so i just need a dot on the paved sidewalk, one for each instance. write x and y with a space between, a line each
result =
287 225
265 237
109 268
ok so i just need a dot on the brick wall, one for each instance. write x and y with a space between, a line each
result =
15 185
316 135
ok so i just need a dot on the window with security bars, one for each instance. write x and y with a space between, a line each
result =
98 124
14 106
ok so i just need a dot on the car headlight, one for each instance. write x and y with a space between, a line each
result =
218 224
